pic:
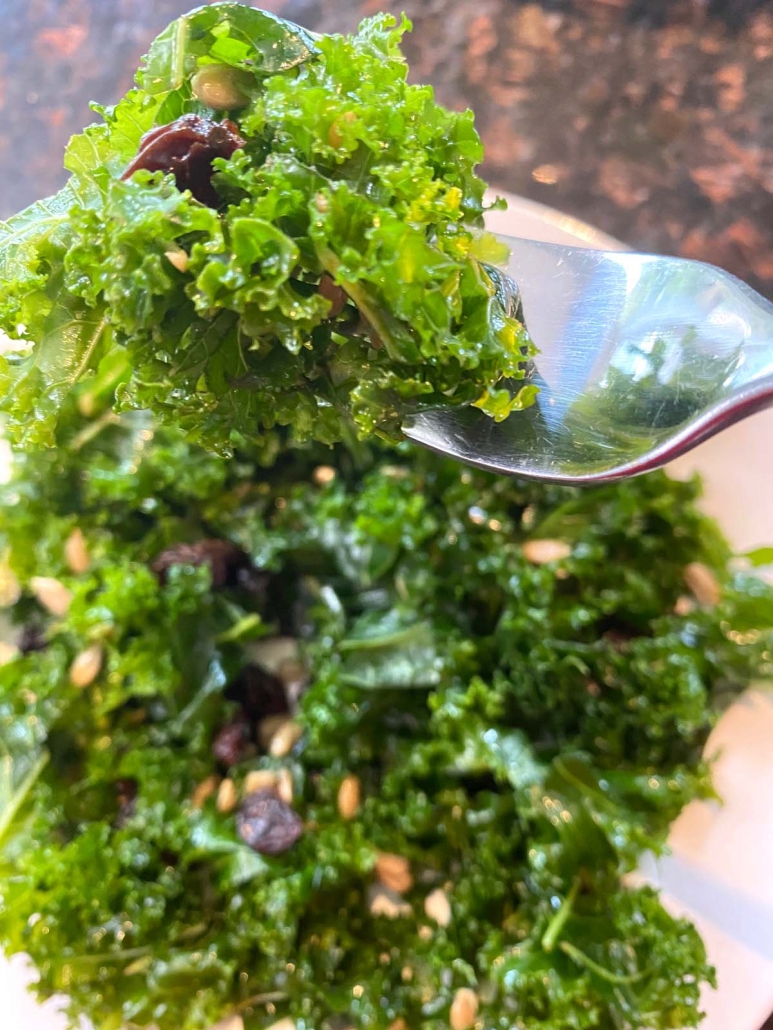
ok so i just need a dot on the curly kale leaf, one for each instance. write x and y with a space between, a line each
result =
340 282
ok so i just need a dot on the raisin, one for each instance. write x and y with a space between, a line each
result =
187 147
31 639
337 295
126 790
225 559
259 693
232 742
267 824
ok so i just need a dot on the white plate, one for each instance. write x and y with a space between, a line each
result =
720 870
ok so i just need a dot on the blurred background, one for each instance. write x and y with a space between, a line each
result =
651 119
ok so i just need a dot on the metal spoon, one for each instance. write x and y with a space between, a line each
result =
641 359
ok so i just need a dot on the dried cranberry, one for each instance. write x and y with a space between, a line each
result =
232 742
267 824
259 693
225 559
187 147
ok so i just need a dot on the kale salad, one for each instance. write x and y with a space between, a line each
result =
300 724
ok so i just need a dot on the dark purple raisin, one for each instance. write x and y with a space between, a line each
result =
187 147
337 295
259 693
232 742
126 790
32 639
225 560
254 581
267 824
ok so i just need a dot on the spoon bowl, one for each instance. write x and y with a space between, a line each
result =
641 358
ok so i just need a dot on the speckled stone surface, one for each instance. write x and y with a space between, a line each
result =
650 118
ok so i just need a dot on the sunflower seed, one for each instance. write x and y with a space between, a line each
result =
394 872
349 797
540 552
53 595
177 258
204 791
285 738
260 779
227 796
464 1009
76 553
702 583
438 907
388 903
86 667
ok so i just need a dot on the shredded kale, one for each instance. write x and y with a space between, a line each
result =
520 734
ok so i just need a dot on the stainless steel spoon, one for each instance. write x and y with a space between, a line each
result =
641 359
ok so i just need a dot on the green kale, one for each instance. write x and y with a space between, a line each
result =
301 723
520 734
336 280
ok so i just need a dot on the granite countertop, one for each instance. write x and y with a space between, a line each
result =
651 119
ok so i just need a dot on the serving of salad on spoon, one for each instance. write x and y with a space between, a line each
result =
301 725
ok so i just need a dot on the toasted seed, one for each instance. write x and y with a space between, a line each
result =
388 903
438 907
204 791
217 86
260 779
178 258
10 591
76 553
684 605
285 738
528 516
540 552
139 965
703 584
8 652
294 677
349 797
267 729
85 669
229 1023
323 474
394 872
53 595
270 652
227 796
284 785
464 1009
